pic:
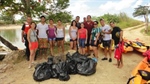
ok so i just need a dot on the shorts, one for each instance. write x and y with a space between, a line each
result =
51 39
73 40
34 45
107 43
92 43
88 40
43 43
82 43
59 39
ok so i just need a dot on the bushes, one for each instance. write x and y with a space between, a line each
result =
121 20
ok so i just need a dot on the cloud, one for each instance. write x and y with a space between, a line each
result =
116 5
83 8
78 7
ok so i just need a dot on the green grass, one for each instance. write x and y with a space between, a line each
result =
128 23
148 33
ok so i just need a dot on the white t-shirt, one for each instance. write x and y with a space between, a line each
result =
42 30
106 28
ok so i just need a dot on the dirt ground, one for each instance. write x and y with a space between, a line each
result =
106 73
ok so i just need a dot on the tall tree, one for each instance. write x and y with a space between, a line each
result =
34 7
142 11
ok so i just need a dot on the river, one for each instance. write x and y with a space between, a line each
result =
14 36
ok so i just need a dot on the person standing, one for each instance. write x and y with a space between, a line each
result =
33 42
73 35
106 30
60 36
51 33
117 40
84 19
78 23
94 39
82 39
26 26
89 24
42 27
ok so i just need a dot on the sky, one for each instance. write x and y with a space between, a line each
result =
83 8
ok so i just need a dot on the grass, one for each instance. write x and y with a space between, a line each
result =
128 23
148 33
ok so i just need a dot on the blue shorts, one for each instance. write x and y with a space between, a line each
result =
51 39
82 43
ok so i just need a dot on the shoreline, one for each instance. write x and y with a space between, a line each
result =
6 27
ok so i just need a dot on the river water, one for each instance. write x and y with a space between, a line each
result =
14 36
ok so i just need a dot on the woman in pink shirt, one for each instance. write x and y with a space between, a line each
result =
51 33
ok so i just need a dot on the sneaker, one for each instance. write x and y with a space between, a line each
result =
104 58
110 60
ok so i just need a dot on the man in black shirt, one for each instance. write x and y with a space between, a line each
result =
117 38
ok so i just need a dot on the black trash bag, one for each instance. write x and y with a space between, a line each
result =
54 71
42 72
78 57
50 60
72 64
145 74
68 55
62 69
87 67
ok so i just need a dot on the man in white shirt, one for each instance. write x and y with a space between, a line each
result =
106 30
42 27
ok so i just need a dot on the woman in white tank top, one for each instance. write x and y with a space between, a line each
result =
73 35
60 36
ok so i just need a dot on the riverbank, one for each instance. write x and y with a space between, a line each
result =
10 26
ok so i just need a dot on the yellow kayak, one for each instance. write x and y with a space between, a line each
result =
140 73
127 47
138 46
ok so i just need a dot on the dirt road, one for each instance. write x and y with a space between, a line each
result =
106 73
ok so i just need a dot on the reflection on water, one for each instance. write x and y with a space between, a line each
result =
14 36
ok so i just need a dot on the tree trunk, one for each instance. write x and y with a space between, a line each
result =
146 23
8 44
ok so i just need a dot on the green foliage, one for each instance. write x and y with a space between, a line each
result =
6 18
63 16
36 9
140 11
121 20
109 17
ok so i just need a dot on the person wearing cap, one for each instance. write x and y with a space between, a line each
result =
42 27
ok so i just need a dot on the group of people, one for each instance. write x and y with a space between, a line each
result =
82 35
37 36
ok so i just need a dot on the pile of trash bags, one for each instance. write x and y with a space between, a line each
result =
75 64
